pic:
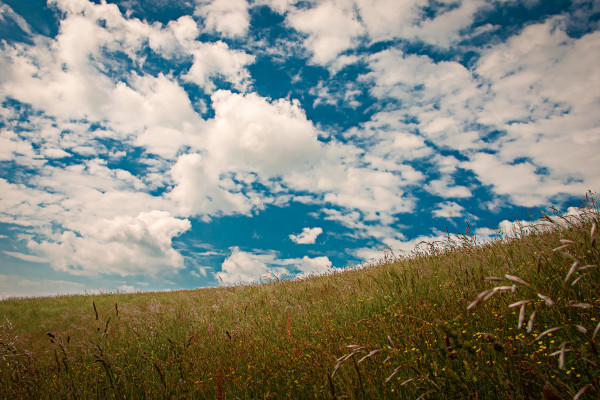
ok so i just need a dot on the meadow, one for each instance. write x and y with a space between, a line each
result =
515 318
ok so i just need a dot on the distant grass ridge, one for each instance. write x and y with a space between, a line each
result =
515 318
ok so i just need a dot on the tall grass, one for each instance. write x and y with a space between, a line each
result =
429 325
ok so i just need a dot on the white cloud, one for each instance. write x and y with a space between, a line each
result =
20 205
389 139
6 12
251 133
313 266
17 286
545 92
445 187
228 17
445 28
249 139
279 6
198 190
387 19
123 246
442 96
308 236
216 59
245 267
400 246
342 179
448 209
26 257
331 27
334 26
519 181
15 148
536 90
67 77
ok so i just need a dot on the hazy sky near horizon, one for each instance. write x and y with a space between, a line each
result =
166 144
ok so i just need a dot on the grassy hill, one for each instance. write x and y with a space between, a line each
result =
426 326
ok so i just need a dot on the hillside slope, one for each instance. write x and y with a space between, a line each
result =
399 328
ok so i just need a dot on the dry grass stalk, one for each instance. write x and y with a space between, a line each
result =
519 303
596 331
551 330
559 248
371 354
548 301
571 271
530 323
393 373
580 305
582 391
580 277
586 267
581 328
521 317
548 218
516 279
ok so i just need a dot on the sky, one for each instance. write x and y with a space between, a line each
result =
175 144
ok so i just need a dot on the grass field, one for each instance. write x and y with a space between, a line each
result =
426 326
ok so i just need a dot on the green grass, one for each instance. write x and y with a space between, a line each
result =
399 328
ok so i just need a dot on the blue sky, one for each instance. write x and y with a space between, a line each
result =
156 145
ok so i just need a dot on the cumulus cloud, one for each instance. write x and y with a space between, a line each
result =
545 90
122 246
448 209
245 267
228 17
528 100
68 76
312 266
242 267
70 82
343 180
251 133
331 27
249 139
216 59
199 191
446 187
334 26
441 95
308 236
519 180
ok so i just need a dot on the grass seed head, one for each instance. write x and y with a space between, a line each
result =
516 279
596 331
530 323
551 330
548 301
521 316
519 303
582 391
571 271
